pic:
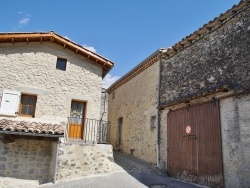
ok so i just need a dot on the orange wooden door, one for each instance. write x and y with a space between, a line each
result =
76 120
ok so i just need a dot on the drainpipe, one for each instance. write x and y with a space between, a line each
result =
104 111
158 111
56 160
104 104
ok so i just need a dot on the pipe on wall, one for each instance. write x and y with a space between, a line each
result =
158 110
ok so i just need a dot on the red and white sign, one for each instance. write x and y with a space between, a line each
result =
188 129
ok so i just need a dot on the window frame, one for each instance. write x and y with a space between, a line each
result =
21 105
59 60
153 122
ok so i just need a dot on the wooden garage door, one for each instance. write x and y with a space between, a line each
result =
194 145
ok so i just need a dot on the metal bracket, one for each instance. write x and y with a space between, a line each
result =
190 136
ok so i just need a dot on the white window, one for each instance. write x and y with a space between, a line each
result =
9 104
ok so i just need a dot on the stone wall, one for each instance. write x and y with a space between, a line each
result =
77 160
235 121
220 58
26 158
31 68
136 103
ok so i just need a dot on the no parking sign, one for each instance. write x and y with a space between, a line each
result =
188 129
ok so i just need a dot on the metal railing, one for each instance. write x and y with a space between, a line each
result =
88 130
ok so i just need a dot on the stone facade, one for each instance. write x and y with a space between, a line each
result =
77 160
32 69
220 58
215 65
27 158
211 64
135 102
235 128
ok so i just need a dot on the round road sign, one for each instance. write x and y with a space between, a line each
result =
188 129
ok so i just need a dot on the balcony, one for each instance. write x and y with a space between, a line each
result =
89 131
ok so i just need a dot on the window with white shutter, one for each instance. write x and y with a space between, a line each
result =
9 104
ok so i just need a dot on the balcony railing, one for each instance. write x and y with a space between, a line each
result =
88 130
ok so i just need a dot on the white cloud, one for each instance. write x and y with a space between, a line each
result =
24 21
91 48
26 18
109 80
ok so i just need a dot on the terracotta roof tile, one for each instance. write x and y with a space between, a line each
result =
31 127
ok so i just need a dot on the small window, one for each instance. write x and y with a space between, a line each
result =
153 122
113 95
61 64
27 105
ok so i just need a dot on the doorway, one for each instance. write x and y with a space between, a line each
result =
194 145
119 132
76 122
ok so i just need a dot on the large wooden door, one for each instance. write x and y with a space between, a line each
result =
76 122
194 145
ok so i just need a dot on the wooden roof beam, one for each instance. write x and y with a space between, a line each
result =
13 41
52 39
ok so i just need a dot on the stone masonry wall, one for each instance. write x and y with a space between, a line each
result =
221 58
77 160
26 158
235 126
136 103
31 68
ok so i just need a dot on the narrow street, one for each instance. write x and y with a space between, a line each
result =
129 173
146 174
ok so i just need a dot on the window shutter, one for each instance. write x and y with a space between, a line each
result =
9 104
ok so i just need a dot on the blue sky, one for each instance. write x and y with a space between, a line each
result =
125 32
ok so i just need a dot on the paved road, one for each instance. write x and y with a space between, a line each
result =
129 173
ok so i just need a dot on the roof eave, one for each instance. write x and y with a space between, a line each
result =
52 37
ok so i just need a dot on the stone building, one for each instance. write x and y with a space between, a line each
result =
132 110
50 94
203 103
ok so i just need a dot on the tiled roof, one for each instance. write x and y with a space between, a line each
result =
31 127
